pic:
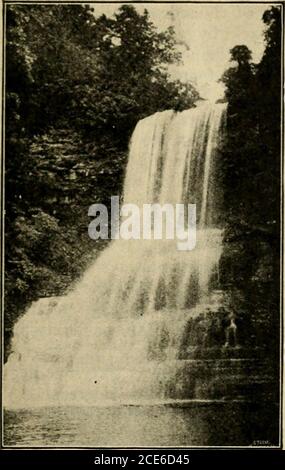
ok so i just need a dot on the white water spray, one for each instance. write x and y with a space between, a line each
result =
117 336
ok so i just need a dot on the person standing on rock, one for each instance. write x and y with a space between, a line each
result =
231 330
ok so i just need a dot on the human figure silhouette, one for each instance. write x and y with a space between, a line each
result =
231 331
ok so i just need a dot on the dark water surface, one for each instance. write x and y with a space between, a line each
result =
176 424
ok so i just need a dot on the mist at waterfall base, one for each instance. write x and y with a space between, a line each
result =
120 340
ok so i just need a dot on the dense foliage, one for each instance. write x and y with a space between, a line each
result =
251 177
251 154
76 86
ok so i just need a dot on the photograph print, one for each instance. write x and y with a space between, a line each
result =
141 224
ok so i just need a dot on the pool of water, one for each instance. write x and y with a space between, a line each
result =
156 425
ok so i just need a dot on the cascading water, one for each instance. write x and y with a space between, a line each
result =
118 335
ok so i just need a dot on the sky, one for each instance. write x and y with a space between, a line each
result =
210 31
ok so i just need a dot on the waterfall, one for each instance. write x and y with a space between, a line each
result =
117 337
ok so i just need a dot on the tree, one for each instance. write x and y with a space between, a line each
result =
251 170
241 54
250 261
252 150
76 86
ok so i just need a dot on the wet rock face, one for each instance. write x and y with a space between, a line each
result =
247 258
224 353
207 330
224 378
